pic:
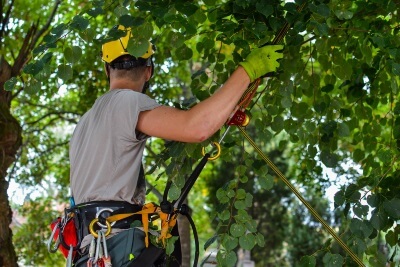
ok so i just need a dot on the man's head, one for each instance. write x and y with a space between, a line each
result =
119 63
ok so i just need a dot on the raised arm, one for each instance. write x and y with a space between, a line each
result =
204 119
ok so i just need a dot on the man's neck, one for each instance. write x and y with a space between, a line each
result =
123 84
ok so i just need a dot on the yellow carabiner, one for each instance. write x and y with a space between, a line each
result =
216 155
93 232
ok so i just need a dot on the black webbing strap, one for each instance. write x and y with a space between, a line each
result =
190 182
183 209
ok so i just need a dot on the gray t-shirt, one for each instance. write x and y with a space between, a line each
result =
106 150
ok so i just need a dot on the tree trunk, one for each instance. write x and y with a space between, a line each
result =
10 142
184 237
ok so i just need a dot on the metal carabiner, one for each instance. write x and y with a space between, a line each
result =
216 155
57 242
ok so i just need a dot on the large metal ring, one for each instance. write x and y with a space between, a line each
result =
216 155
93 232
100 212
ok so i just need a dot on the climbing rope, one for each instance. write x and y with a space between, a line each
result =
301 198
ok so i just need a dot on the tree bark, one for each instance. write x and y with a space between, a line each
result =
10 141
184 237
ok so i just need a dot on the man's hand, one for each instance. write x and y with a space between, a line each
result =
262 60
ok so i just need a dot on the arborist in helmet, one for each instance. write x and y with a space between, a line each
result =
107 145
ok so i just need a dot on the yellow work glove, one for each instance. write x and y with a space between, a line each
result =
262 60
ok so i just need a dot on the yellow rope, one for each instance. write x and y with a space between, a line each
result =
301 198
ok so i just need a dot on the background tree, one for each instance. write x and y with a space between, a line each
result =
334 105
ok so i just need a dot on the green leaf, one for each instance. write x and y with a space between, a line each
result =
360 228
137 46
210 241
266 181
34 67
72 54
332 260
184 52
187 9
209 2
241 194
199 16
79 23
171 244
59 30
323 10
344 14
343 129
260 240
385 155
9 85
247 241
392 208
174 192
391 238
33 87
251 225
277 124
176 38
265 9
237 230
224 215
64 72
286 102
360 210
231 259
229 242
323 29
249 200
308 261
240 205
87 35
339 198
396 69
94 12
119 11
329 159
145 31
358 155
378 220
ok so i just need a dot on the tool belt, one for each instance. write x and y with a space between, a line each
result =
85 213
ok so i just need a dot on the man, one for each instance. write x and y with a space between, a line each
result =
107 145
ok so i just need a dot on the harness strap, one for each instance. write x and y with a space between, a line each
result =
167 221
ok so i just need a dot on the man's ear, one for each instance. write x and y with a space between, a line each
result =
148 72
107 69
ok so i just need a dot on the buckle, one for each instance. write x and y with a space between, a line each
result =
98 213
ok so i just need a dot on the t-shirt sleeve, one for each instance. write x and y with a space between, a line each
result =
130 104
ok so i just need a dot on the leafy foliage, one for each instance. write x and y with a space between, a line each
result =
333 105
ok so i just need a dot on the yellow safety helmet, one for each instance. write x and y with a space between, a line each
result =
117 48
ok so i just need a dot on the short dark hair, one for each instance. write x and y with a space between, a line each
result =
128 62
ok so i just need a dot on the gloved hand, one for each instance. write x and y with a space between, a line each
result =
262 60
